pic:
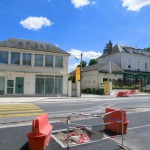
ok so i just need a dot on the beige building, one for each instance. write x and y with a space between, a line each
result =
32 68
94 76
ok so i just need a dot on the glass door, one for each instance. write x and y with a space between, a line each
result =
19 85
2 85
39 86
10 86
49 85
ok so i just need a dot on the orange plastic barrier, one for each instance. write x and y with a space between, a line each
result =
123 94
114 120
40 135
132 92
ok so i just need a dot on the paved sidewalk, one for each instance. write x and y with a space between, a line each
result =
33 99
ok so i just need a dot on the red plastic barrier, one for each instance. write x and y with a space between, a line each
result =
40 135
114 120
123 94
132 92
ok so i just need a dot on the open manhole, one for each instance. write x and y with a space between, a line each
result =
78 136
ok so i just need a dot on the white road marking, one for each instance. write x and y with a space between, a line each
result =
139 127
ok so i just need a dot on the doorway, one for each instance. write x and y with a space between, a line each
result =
19 88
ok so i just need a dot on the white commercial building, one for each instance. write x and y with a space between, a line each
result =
32 68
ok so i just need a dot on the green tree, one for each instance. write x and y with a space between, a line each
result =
84 63
147 49
93 62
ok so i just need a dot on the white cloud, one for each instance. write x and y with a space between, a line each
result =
93 2
80 3
91 54
135 5
72 66
87 55
35 23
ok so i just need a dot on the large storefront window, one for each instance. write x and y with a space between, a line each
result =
26 59
48 84
3 57
58 84
39 85
49 61
38 60
59 61
15 58
2 85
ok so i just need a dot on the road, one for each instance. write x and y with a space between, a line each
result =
138 112
15 112
93 106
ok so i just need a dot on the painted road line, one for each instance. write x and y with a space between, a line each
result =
138 127
4 109
20 115
19 110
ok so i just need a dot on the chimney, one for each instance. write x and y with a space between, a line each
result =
109 47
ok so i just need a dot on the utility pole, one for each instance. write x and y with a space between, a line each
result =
81 75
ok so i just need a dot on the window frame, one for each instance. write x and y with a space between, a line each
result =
27 60
50 62
12 54
56 63
4 62
36 65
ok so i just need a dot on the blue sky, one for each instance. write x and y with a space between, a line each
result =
77 25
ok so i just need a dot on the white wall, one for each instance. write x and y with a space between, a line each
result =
29 84
109 76
134 59
90 79
65 85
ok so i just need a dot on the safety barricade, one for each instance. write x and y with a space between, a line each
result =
132 92
40 135
114 119
77 134
123 94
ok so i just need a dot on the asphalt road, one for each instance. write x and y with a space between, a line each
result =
138 110
93 106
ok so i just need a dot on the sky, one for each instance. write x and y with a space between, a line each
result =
77 26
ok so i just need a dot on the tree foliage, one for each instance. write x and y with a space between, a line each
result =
84 63
93 62
147 49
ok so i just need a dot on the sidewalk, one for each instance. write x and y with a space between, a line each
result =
30 99
33 99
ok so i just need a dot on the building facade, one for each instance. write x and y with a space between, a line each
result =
94 76
135 62
32 68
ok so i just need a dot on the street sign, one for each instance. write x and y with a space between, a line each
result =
78 74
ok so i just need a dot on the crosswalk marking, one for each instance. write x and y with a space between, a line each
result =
19 110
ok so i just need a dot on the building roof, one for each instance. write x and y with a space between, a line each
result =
103 68
72 72
92 67
119 48
31 45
